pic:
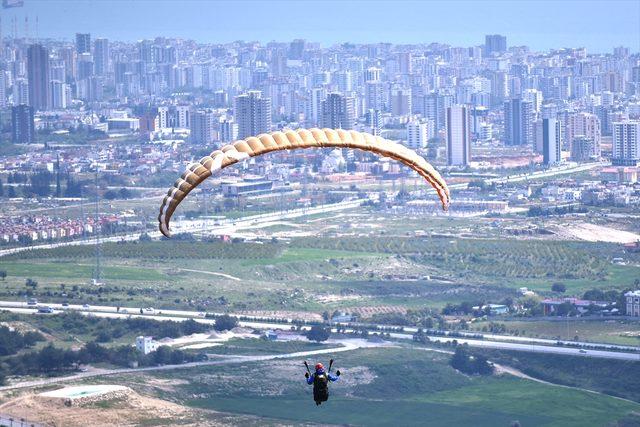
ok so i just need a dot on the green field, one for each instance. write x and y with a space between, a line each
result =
359 258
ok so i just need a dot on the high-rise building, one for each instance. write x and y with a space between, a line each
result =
163 117
38 73
85 66
518 122
183 113
435 108
344 81
21 92
101 56
374 121
458 136
374 96
69 56
252 113
584 125
626 143
494 43
202 126
582 149
551 142
372 74
83 43
338 112
228 130
400 101
22 127
296 48
314 106
58 94
535 97
405 63
417 134
3 89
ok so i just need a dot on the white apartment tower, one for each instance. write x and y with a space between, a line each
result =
626 143
551 141
458 135
417 134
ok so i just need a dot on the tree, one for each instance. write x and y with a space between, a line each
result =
225 323
11 193
318 333
1 189
3 274
31 283
559 287
41 183
124 193
465 362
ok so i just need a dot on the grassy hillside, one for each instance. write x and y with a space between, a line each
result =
382 387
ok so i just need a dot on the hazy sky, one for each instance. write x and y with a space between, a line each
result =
542 24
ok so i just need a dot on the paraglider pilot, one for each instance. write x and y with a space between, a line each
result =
320 380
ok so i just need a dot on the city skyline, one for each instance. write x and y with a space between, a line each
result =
597 26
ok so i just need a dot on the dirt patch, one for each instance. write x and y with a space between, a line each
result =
596 233
130 411
329 298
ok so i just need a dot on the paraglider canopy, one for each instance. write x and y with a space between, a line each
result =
240 150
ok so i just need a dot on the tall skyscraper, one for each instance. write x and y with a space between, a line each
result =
458 136
83 43
626 143
494 43
338 112
518 122
38 73
101 56
551 142
252 113
22 127
202 126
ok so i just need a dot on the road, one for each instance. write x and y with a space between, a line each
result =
347 345
502 342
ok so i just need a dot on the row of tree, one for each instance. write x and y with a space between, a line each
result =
51 360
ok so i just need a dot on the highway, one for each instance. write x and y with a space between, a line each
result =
503 342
